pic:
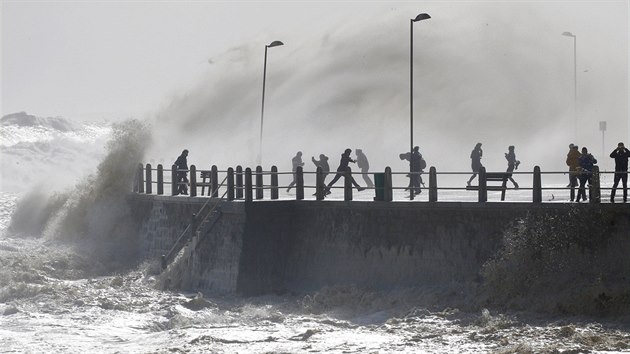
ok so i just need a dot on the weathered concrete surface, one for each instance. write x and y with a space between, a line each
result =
277 246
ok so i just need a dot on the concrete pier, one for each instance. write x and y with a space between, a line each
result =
281 246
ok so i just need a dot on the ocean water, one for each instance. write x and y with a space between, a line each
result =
61 290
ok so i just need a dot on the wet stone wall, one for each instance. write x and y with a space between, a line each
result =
297 246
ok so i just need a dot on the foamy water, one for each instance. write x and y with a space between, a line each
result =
49 302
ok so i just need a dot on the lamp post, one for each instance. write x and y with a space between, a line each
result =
569 34
420 17
262 109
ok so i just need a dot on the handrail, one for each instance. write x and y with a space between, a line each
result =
178 245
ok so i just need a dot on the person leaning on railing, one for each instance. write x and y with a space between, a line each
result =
621 155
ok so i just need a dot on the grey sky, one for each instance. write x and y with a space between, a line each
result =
492 71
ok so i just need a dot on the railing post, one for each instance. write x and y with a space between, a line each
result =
594 191
274 182
537 186
174 189
140 178
239 182
389 190
347 185
148 179
214 181
319 184
433 188
299 180
160 179
248 185
193 181
483 185
259 183
230 184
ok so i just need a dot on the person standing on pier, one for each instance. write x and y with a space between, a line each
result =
296 162
417 165
621 155
341 170
513 163
475 157
585 170
573 161
323 164
364 165
182 172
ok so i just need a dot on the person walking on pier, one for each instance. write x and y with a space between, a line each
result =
513 163
475 157
621 155
182 172
573 161
585 170
364 165
323 164
296 161
416 165
341 170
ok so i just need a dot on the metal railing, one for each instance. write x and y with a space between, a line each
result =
200 224
258 184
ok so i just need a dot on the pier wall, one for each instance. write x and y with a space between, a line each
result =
296 246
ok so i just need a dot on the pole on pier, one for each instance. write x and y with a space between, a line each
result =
274 182
248 185
389 191
239 182
594 191
214 181
259 182
230 184
193 181
537 186
140 181
483 185
299 179
174 189
148 180
433 191
160 179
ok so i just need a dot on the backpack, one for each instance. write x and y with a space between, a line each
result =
423 164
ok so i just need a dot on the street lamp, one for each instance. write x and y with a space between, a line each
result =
420 17
262 109
569 34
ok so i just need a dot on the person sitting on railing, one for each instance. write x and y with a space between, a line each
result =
182 172
341 170
323 164
621 155
513 163
296 161
586 167
573 161
476 165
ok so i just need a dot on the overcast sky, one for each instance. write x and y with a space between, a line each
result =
484 70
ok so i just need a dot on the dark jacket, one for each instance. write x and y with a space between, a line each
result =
345 160
181 162
587 161
621 159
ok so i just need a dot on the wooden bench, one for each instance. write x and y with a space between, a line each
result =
205 175
493 177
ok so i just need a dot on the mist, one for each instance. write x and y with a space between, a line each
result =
497 74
